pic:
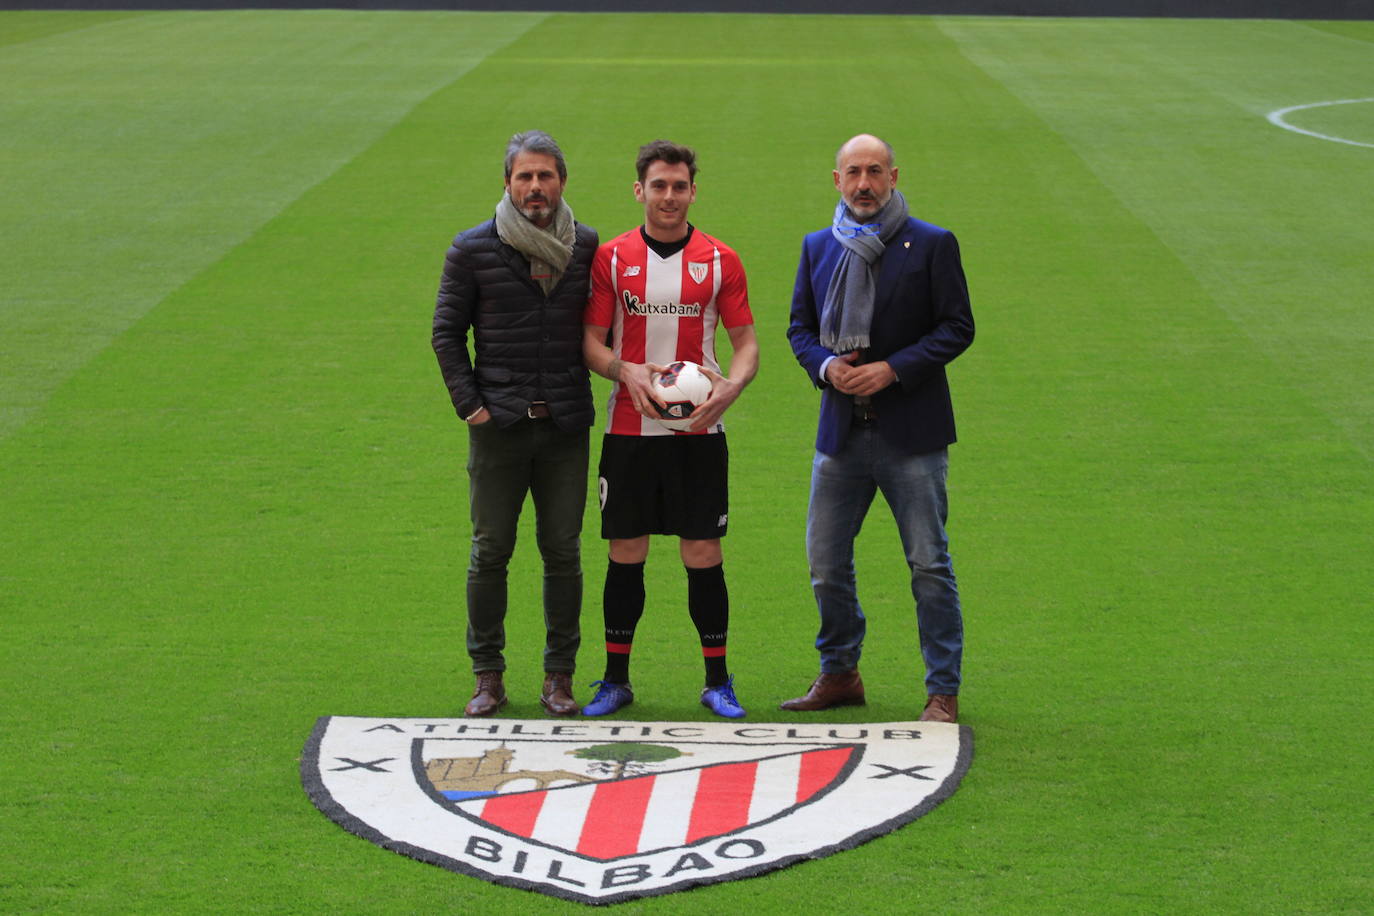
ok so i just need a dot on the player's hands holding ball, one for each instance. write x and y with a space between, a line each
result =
686 390
638 381
682 396
723 394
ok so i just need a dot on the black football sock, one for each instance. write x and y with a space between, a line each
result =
622 603
708 601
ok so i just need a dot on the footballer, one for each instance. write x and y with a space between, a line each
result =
658 293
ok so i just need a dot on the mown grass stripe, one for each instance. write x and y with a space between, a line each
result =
139 151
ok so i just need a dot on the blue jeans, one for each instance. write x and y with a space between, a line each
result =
842 489
531 457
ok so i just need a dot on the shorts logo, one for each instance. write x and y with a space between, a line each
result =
631 271
601 812
698 270
633 306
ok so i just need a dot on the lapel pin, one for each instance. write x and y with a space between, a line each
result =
906 244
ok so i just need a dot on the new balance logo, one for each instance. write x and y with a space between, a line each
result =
631 271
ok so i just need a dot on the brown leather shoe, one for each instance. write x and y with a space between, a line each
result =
941 707
556 696
489 696
845 688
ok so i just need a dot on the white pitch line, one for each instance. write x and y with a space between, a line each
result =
1276 118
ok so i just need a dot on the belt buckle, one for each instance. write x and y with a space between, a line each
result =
530 411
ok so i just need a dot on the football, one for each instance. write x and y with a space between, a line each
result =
681 387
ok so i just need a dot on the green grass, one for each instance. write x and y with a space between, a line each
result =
231 486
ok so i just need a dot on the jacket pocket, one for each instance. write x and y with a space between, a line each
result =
496 375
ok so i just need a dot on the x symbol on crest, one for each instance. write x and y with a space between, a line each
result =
371 765
894 771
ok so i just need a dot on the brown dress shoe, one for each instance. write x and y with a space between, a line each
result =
941 707
489 696
556 696
845 688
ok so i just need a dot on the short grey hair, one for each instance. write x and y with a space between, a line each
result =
535 141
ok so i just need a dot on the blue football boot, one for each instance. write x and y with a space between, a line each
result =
609 697
721 700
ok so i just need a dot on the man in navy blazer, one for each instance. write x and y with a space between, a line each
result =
879 308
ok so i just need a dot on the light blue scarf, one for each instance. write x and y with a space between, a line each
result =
847 313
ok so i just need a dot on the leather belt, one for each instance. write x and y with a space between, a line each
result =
539 410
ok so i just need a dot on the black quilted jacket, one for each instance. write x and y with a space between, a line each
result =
527 346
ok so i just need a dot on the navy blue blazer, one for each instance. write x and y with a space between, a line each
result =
921 321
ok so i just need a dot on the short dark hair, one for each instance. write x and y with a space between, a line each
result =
666 151
535 141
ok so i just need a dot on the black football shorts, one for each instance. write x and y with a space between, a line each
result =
664 485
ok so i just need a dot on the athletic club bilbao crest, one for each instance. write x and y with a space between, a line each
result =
606 811
697 270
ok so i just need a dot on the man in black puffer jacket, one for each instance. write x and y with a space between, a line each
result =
518 282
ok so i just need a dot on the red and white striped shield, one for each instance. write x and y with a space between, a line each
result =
605 811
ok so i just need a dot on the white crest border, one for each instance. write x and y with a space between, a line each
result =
312 781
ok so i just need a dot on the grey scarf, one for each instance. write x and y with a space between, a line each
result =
847 313
548 250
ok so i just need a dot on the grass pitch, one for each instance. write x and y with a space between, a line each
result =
232 494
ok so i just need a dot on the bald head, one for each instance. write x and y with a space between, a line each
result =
865 175
867 143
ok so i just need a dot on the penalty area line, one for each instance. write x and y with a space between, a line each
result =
1277 119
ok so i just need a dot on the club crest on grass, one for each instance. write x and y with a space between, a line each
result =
601 812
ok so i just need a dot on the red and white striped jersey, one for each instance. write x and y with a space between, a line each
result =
660 310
